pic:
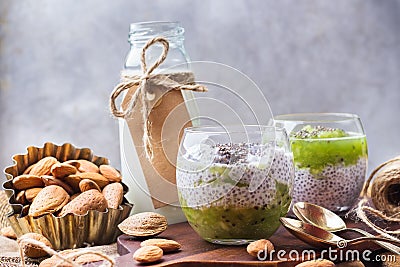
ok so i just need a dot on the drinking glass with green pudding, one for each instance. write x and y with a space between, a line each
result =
234 183
330 156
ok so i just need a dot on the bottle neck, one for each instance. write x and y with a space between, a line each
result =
176 41
141 33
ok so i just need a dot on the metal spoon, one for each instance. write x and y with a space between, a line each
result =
329 221
321 238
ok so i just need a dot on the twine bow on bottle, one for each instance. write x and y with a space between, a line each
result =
127 82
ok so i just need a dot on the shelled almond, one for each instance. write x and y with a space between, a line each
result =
43 166
167 245
31 193
87 184
61 170
148 254
87 166
73 186
257 247
50 180
100 180
110 173
27 181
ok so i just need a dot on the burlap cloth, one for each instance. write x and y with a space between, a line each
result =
9 254
4 209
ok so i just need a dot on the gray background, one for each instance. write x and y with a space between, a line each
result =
59 61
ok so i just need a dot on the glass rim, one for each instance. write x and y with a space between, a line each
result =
316 117
142 31
135 25
228 128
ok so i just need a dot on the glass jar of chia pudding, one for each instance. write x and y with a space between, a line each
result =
330 157
234 183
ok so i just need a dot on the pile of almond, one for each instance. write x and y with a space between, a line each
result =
73 186
146 225
152 250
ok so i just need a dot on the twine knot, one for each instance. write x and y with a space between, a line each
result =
128 81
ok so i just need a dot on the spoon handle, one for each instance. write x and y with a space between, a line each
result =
386 245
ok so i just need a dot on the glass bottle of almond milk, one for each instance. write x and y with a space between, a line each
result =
146 194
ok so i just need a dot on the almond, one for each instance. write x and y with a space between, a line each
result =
54 261
100 180
87 258
166 245
73 162
114 194
50 199
74 196
88 200
316 263
87 184
8 232
33 251
61 170
110 173
263 246
73 181
43 166
20 198
148 254
26 181
50 180
144 224
87 166
28 169
31 193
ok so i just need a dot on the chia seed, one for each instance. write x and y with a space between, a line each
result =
228 177
336 187
314 132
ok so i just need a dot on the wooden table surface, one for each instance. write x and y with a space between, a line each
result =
197 252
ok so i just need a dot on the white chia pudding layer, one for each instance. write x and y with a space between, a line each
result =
229 184
333 188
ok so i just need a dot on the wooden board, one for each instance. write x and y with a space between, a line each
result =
195 251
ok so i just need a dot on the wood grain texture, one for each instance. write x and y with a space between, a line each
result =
195 251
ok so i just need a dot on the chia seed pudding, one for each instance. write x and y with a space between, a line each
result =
239 195
330 166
